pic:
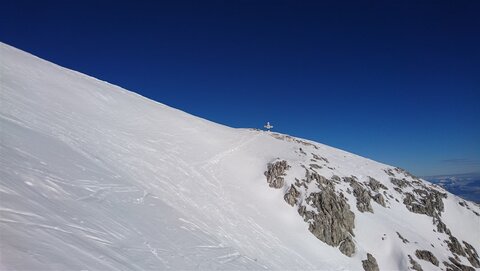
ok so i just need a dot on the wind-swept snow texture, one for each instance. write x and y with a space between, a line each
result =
94 177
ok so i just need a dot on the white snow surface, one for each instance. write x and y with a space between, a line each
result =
95 177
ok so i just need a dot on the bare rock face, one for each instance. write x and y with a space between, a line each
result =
362 195
322 204
331 219
375 185
404 240
454 265
292 139
455 246
457 249
441 227
378 198
427 202
426 256
415 266
347 247
321 181
389 172
333 222
405 173
472 255
275 173
401 183
370 264
291 195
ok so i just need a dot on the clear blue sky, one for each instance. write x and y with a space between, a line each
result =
395 81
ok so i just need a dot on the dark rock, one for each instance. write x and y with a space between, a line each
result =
362 195
347 247
335 178
426 256
378 198
400 183
320 158
291 195
299 183
472 255
375 185
456 266
307 215
441 227
404 240
415 266
421 192
370 264
389 172
333 222
321 181
455 246
405 173
428 202
275 173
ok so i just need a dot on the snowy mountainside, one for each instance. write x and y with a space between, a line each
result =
94 177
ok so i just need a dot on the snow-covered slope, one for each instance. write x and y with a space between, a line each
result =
94 177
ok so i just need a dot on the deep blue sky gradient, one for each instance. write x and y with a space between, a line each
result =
395 81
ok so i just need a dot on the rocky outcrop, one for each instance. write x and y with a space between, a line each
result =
454 265
330 218
321 181
347 247
293 139
361 194
455 246
370 264
321 203
426 256
398 190
375 185
401 183
333 222
378 198
405 173
317 157
472 255
465 204
441 227
275 173
427 202
415 266
389 172
404 240
457 249
291 195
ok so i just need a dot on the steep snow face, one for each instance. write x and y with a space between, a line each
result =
96 177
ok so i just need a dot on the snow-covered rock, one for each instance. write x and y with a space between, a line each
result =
94 177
